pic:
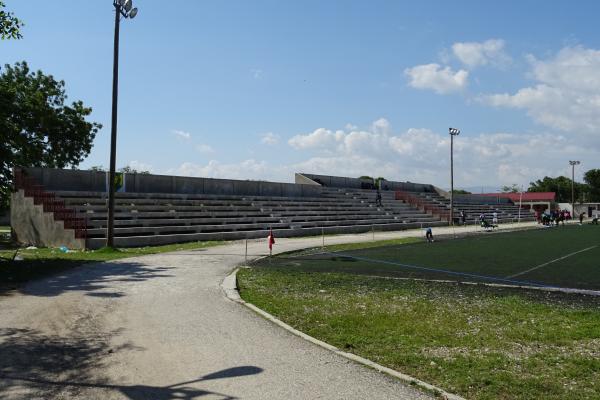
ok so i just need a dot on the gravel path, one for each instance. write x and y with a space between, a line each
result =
160 327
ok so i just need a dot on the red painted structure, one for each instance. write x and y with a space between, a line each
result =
50 203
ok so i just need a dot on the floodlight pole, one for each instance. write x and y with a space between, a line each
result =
110 230
573 164
126 12
453 132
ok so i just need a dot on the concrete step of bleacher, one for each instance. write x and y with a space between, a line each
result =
101 223
153 240
168 230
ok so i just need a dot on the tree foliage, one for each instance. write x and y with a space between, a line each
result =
37 129
561 186
460 191
130 170
10 26
514 188
592 178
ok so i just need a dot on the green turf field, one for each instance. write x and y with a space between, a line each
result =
566 256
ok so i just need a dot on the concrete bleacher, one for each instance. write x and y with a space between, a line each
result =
158 218
156 209
506 212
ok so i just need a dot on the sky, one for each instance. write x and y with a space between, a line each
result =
262 89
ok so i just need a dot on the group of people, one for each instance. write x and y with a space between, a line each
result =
555 217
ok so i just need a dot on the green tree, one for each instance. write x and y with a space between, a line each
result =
460 191
592 178
37 129
10 26
514 188
130 170
560 185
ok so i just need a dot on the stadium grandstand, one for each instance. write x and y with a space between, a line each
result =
60 207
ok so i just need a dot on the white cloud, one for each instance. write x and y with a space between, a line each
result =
422 155
475 54
247 169
440 79
382 125
416 155
181 134
343 141
205 149
319 138
269 138
566 95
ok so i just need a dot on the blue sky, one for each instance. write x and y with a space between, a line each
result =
259 90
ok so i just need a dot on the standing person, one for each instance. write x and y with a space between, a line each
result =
495 218
429 235
581 219
537 216
378 198
463 218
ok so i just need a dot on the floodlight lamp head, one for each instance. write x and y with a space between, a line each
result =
127 5
453 131
133 13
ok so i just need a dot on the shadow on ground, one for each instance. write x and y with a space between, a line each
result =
33 365
96 279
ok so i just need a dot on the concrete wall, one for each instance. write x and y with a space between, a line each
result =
356 183
588 209
476 199
32 226
304 180
76 180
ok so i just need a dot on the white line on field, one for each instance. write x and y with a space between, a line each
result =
550 262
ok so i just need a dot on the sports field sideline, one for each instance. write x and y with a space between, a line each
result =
564 256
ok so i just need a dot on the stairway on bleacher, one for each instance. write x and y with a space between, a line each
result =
507 212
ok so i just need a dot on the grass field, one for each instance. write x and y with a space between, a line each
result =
566 256
478 341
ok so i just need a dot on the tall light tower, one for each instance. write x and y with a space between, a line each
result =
125 9
573 164
453 132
